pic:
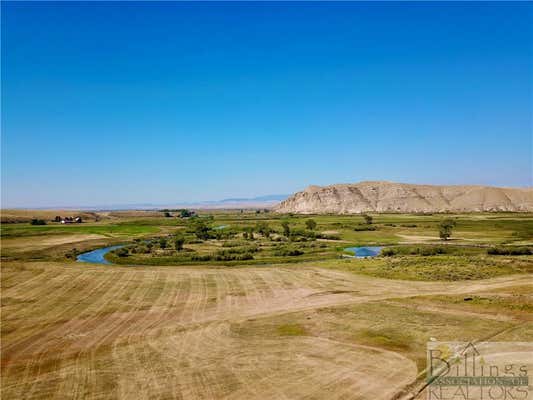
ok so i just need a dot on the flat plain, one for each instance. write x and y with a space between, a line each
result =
252 305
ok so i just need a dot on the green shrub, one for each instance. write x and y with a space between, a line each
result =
310 224
327 237
178 243
431 251
122 252
415 251
238 250
200 227
220 256
288 252
361 228
72 253
263 228
302 235
510 251
388 252
286 228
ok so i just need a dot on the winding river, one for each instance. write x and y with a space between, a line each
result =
363 252
97 256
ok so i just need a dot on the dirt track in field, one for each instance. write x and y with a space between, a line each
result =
94 332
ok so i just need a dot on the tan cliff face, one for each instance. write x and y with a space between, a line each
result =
402 197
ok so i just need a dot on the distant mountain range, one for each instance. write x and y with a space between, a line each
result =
266 201
269 197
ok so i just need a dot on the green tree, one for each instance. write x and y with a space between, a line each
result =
178 243
200 228
310 224
445 228
185 213
202 231
163 243
286 228
263 228
167 214
368 219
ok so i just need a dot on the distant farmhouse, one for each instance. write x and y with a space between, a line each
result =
68 220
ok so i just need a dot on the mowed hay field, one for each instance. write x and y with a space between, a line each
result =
316 329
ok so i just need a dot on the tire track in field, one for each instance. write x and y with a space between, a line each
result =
166 333
40 341
51 342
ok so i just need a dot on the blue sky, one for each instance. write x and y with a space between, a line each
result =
109 103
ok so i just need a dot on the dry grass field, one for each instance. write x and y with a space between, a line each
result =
314 329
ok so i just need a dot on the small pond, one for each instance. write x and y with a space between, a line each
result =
97 256
367 251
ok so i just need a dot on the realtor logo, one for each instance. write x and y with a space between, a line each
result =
479 371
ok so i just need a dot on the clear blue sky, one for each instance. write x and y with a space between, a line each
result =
109 103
